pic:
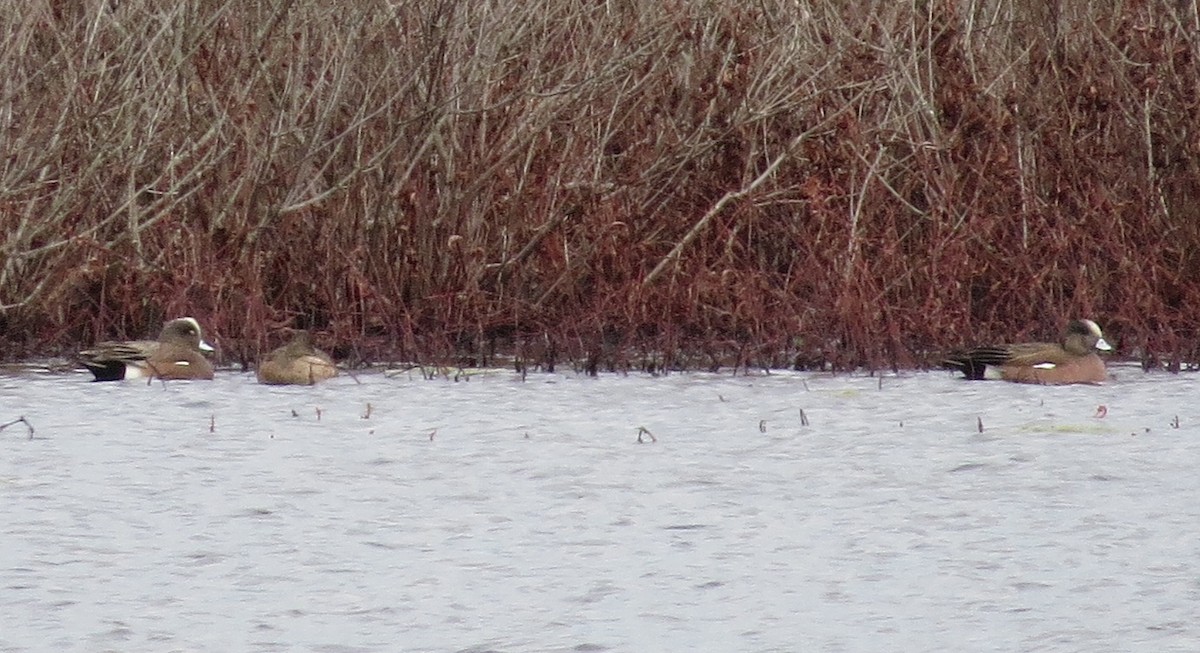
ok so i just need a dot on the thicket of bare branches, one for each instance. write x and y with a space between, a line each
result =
615 182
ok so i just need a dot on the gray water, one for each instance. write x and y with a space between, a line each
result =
495 514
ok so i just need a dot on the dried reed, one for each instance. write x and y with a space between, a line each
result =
628 184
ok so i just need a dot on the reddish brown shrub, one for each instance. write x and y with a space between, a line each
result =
625 185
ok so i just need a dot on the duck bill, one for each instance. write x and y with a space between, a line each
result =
204 346
1103 345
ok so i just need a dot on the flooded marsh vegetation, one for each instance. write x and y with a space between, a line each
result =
499 514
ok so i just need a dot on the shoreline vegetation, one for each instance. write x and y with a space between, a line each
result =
624 184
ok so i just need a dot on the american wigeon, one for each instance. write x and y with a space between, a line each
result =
1072 361
175 355
296 363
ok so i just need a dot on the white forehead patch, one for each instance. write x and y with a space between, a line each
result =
1093 328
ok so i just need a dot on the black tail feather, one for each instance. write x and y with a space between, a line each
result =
974 363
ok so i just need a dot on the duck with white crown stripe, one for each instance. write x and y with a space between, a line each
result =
177 354
1074 360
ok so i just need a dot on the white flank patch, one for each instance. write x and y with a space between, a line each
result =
1045 366
992 373
135 372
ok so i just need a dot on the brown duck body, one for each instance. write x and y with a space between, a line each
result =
1074 360
296 363
177 354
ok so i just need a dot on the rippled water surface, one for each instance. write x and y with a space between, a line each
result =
495 514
